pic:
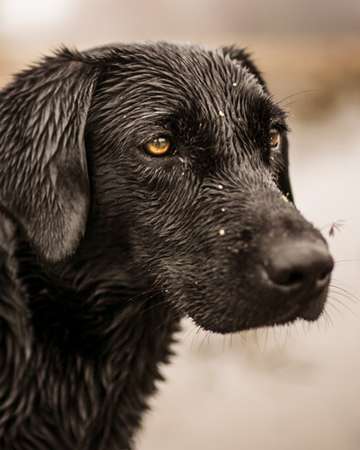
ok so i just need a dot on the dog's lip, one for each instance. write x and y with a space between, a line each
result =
287 317
314 307
306 306
311 311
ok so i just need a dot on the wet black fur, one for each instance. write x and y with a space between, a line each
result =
104 248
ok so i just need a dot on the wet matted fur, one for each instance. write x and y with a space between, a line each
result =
104 247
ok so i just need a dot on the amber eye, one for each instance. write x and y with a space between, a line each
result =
158 147
275 139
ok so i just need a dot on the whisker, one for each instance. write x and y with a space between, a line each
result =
344 305
192 335
331 305
327 318
347 260
266 336
296 94
203 339
347 294
197 332
188 332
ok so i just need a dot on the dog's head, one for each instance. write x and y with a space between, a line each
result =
169 163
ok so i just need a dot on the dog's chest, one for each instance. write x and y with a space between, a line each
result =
98 394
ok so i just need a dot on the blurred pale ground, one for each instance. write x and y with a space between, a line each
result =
294 388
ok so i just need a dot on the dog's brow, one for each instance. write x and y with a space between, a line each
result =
278 117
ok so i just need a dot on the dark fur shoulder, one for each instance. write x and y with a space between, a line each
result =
91 355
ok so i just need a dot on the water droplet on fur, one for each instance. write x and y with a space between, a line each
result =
182 174
234 84
220 186
221 114
223 209
222 232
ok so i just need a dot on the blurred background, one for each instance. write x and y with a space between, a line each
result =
292 388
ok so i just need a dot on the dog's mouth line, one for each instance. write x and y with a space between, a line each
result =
309 311
243 316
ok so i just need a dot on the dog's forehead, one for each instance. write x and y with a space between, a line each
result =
192 64
203 95
173 75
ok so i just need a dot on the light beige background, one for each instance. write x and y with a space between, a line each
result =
293 388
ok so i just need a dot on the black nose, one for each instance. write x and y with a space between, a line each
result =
300 264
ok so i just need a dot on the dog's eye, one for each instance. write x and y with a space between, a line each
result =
159 146
275 139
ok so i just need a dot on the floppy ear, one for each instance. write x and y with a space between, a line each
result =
241 56
284 177
43 170
285 185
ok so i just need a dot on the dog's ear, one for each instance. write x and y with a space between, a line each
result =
243 58
43 170
285 185
283 176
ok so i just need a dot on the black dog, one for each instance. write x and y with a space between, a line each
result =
138 184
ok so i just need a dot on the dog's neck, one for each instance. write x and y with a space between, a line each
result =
82 308
100 336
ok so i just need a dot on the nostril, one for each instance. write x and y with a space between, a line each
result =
324 276
289 277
